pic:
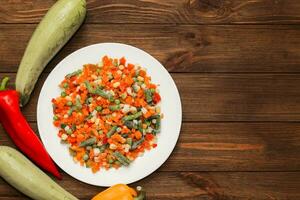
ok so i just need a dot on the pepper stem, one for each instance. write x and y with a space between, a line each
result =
4 83
141 193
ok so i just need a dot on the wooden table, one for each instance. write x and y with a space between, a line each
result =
237 66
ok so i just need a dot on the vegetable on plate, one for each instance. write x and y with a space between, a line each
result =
20 132
21 173
56 28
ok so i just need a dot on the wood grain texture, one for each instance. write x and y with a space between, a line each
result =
229 49
167 11
194 186
225 97
229 147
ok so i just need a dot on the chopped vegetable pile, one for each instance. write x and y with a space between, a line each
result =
108 113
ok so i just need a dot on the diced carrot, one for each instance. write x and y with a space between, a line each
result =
138 135
122 61
130 66
142 73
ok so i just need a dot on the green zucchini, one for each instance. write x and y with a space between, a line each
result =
56 28
21 173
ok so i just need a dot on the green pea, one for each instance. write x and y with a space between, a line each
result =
69 131
90 99
69 103
63 94
65 85
55 118
98 108
85 157
110 161
117 101
88 147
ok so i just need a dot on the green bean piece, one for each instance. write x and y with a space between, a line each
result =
73 127
78 104
63 126
89 116
148 96
88 164
132 117
74 73
129 141
72 152
111 131
89 87
129 124
136 144
121 158
140 126
88 142
102 148
152 90
114 107
104 94
158 123
148 122
157 126
71 110
153 117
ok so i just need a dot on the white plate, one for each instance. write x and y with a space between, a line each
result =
170 107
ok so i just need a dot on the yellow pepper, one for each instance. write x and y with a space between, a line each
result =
120 192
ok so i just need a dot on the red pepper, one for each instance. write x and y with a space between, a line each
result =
156 98
20 132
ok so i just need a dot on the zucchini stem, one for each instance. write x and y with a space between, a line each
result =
4 83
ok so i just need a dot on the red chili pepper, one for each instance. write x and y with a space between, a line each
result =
20 132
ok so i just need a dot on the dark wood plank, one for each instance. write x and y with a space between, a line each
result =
225 97
253 48
194 186
230 147
167 11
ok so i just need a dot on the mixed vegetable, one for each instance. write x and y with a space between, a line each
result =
108 113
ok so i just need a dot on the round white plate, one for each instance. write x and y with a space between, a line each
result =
170 107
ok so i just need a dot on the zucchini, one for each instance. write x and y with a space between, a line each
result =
56 28
21 173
